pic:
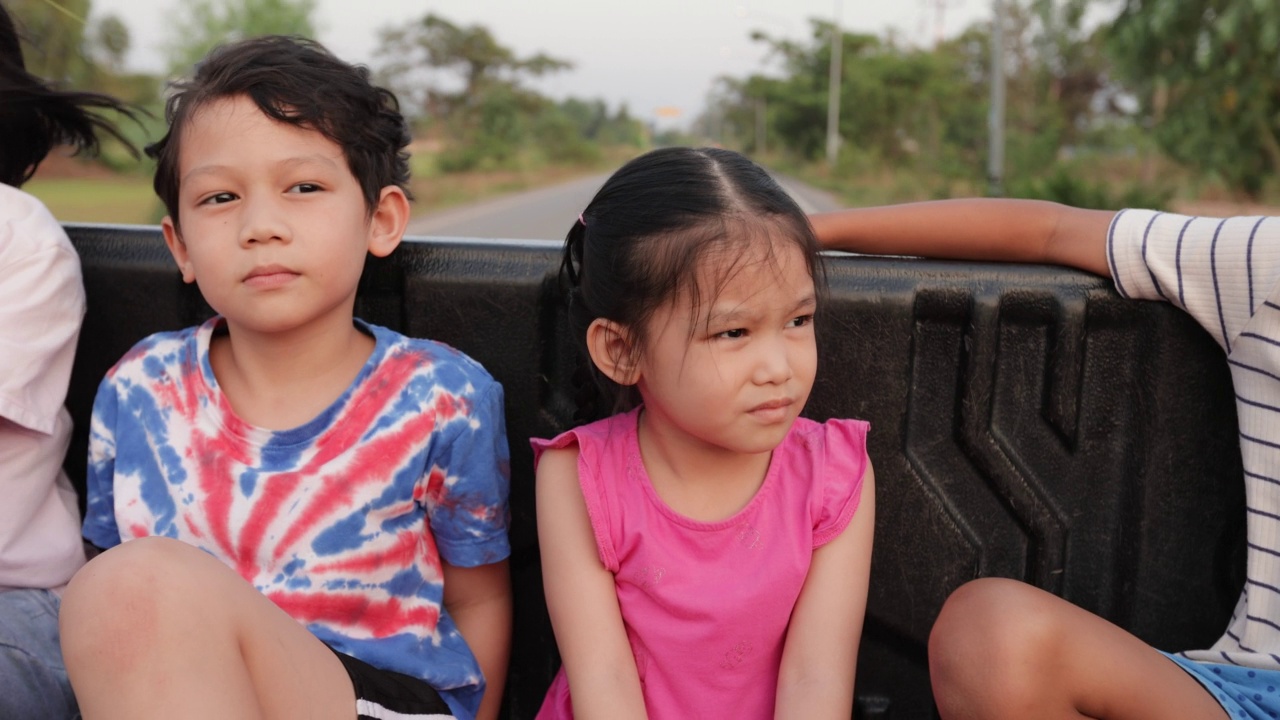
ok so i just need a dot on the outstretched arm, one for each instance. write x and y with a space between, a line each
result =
581 598
821 650
1032 231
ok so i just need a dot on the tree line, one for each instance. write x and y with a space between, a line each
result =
465 93
1188 82
1193 81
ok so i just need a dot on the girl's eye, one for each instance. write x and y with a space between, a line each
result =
733 334
305 188
800 321
218 198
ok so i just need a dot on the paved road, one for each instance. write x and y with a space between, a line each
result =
546 213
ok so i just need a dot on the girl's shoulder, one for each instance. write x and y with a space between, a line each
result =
832 457
834 438
592 438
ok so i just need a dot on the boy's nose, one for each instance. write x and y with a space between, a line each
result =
262 222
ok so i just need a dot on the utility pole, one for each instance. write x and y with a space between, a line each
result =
833 90
995 118
760 126
940 19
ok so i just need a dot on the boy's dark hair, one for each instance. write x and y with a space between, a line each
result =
35 116
642 239
297 81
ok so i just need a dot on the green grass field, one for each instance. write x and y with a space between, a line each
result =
127 198
124 199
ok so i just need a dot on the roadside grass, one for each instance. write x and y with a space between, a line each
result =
122 199
1102 180
76 192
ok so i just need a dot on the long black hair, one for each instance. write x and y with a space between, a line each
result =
641 241
36 116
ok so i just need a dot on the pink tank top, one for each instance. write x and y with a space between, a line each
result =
706 604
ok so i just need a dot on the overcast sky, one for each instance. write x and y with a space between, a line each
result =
647 53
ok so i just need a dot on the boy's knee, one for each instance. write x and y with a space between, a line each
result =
123 591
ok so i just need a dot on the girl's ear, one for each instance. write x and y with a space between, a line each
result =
386 225
177 249
611 349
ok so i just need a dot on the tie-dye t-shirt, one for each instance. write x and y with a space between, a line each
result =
342 522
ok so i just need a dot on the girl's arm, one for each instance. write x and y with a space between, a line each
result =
821 651
479 601
1032 231
582 601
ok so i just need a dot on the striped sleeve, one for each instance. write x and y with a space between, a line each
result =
1220 270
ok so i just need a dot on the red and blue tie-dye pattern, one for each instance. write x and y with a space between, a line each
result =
343 521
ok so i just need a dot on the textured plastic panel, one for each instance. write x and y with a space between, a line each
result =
1026 422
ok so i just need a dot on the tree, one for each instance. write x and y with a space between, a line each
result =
110 40
200 25
54 39
1205 71
471 59
464 80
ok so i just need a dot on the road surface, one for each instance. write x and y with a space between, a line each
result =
547 213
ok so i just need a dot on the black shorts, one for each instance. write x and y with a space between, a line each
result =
387 695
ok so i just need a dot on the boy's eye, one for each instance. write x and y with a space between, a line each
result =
218 198
733 334
305 188
800 321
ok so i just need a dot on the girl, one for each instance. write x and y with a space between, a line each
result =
41 307
705 552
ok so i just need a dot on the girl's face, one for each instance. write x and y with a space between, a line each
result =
740 379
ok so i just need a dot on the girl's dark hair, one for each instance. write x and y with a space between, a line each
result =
36 117
641 241
297 81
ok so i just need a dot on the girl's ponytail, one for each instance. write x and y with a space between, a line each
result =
588 397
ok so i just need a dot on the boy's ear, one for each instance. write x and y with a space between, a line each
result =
612 350
177 249
387 224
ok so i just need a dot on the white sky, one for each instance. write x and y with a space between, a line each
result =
647 53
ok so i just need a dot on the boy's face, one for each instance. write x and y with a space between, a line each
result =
274 225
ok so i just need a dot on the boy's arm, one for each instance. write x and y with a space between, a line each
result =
99 528
1032 231
820 655
581 598
468 518
479 601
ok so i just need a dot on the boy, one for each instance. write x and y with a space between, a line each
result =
352 481
1003 649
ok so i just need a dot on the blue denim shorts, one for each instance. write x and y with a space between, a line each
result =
33 680
1245 693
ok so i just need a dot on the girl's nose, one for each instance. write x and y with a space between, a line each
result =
774 362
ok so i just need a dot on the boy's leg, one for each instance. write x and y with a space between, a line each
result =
1004 649
33 681
157 628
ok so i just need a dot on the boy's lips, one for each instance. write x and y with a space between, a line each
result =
268 276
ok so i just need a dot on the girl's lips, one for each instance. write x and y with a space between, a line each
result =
772 411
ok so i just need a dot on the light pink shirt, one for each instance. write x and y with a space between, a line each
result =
706 604
41 307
